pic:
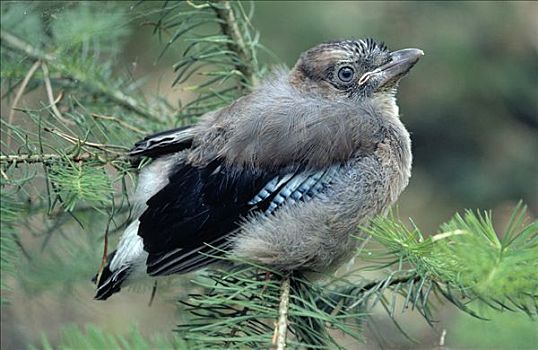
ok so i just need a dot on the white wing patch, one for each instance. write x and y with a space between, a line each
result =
130 249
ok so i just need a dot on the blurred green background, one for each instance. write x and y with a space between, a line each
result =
471 105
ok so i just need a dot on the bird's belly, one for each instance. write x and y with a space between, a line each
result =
317 235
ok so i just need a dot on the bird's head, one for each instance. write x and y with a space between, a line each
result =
354 69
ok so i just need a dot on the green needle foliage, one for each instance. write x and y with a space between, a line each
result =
93 337
470 258
218 51
10 210
74 183
465 263
63 159
66 185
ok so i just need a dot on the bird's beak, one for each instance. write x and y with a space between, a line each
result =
401 62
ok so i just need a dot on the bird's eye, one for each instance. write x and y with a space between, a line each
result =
346 74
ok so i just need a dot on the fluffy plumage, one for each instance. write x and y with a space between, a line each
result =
282 176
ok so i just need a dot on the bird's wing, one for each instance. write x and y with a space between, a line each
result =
202 207
165 142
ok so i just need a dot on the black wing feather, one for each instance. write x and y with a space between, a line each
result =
110 281
163 143
199 206
202 206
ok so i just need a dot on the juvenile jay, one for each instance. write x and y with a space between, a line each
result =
282 176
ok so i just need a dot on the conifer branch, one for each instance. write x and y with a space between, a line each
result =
230 28
15 159
17 44
115 95
116 149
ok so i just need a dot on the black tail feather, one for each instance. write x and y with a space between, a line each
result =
109 281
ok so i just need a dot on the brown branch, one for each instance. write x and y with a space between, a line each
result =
50 95
104 259
52 157
21 45
281 329
18 96
230 28
14 43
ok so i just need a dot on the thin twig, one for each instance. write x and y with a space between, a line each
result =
21 247
376 283
237 44
18 96
153 293
442 339
281 331
11 41
444 235
4 175
50 95
104 259
76 141
120 122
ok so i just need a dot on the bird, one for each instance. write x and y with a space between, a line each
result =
282 176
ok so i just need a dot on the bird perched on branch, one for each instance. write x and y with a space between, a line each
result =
282 176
